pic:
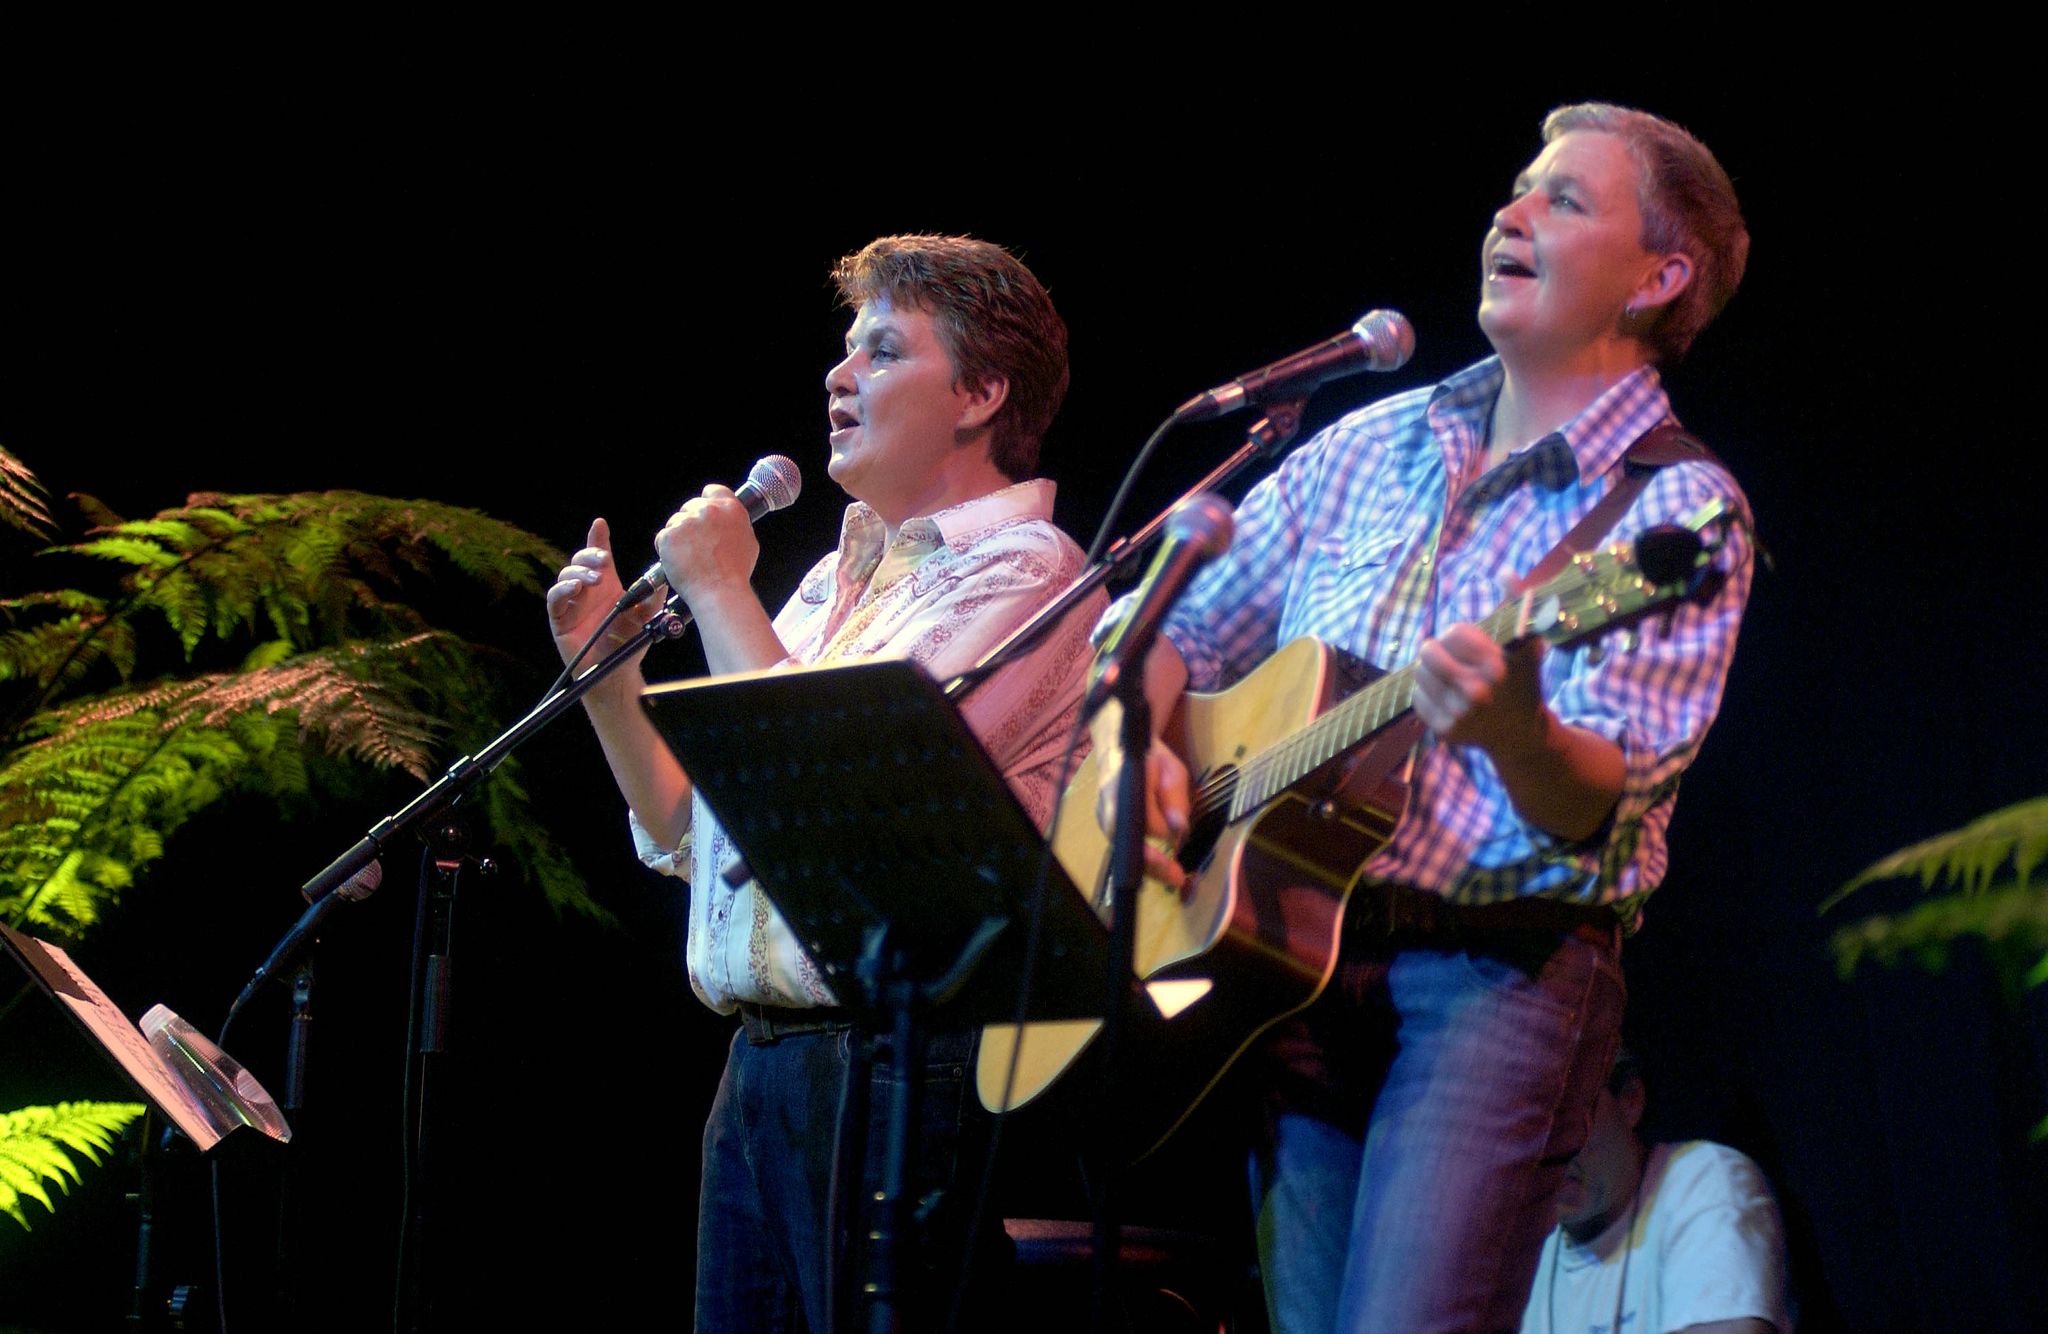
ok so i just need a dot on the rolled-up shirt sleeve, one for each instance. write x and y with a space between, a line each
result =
1653 688
1228 620
668 861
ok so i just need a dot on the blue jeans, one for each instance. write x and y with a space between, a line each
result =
1424 1111
762 1208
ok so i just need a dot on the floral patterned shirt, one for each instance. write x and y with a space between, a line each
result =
948 589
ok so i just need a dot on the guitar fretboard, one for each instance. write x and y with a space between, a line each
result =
1272 771
1592 592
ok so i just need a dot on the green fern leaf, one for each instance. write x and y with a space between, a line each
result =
179 536
267 654
1970 856
70 599
2015 914
33 1141
138 552
528 845
334 673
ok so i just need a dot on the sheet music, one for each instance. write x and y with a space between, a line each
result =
121 1039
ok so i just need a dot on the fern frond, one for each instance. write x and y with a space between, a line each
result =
335 675
139 552
528 845
178 535
61 652
1970 856
267 654
66 901
70 599
33 1142
72 803
2014 915
339 696
97 512
90 801
23 502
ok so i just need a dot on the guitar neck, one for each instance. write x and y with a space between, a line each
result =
1280 766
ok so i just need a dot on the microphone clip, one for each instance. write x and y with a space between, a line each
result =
1274 431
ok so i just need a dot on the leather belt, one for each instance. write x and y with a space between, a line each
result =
769 1024
1381 912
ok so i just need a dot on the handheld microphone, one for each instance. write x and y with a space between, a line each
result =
1382 340
1197 532
356 888
772 484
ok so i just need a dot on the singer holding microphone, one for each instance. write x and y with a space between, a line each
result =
955 363
1421 1113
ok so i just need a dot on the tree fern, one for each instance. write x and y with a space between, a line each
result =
1972 855
98 768
33 1141
1991 861
2014 915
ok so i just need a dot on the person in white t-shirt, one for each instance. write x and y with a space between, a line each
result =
1653 1239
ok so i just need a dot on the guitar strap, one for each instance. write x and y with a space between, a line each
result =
1658 447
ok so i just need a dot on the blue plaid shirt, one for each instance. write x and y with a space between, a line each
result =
1383 531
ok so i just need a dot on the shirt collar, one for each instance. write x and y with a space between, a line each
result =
862 532
1597 437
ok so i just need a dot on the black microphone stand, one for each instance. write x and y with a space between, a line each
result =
1267 438
465 773
290 1242
427 1054
430 808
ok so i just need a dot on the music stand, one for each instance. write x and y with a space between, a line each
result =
861 801
190 1082
880 829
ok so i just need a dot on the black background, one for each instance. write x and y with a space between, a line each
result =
582 290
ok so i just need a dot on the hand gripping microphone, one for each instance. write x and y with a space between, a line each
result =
1382 340
1197 532
772 484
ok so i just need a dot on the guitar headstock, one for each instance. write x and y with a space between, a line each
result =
1620 581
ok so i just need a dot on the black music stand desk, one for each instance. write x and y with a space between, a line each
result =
863 804
880 829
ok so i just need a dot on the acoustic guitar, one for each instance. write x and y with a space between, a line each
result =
1299 778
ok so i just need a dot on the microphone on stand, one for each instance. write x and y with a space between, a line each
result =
772 484
1382 340
1197 532
356 888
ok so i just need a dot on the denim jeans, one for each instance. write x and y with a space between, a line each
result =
762 1241
1424 1110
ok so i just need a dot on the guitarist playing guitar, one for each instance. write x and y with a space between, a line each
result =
1421 1111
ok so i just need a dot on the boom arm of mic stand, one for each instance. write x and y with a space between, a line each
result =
468 771
1264 439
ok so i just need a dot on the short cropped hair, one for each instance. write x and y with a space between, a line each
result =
1688 206
991 315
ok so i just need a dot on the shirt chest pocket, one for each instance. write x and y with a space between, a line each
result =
1344 575
1363 550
